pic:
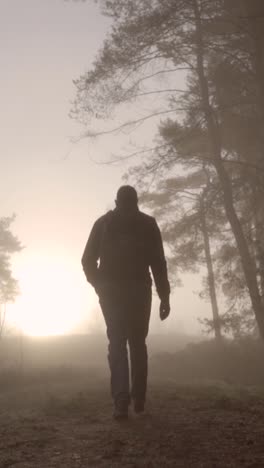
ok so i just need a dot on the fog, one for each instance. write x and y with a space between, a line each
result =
167 97
75 351
54 186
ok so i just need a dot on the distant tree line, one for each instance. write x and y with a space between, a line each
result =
205 172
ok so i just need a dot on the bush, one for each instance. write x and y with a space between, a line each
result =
232 361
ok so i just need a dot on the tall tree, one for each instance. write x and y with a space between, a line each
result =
187 230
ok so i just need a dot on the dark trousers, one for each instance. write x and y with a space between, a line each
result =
126 309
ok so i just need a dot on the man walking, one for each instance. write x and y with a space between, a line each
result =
123 245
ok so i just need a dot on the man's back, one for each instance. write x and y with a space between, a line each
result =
126 246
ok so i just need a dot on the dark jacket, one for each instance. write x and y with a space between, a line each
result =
123 248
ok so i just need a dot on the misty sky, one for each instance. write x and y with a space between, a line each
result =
53 185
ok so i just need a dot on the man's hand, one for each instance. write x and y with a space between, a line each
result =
164 308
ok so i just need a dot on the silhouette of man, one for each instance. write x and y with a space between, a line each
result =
122 246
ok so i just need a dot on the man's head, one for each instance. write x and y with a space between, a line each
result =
127 199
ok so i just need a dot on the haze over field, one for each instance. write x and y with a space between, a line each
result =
54 186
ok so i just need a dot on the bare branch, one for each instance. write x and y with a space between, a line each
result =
158 91
162 72
127 124
134 154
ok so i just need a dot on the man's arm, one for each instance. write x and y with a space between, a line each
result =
159 266
91 254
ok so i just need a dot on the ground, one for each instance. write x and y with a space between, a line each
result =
65 420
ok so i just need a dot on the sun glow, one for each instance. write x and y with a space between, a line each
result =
50 301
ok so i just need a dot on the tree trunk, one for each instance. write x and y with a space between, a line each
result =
211 277
260 253
248 264
258 211
2 318
254 9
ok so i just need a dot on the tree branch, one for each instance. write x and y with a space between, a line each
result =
127 124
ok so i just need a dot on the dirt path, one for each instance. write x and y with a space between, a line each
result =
69 425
